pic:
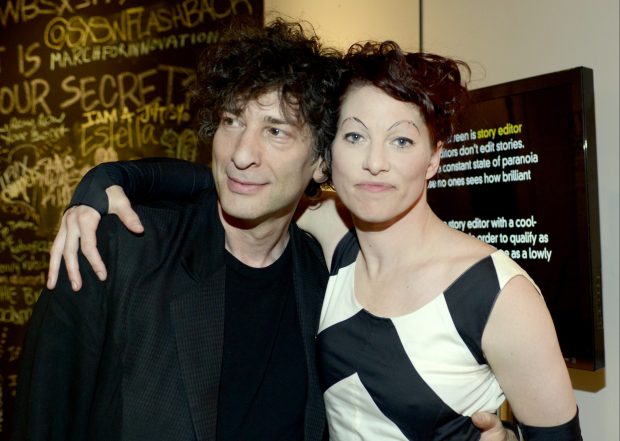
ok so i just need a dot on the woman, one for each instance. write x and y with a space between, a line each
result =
422 325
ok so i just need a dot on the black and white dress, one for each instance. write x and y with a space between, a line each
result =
419 376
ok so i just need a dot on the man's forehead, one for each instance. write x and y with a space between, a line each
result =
274 104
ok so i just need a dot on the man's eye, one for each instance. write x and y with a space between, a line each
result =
274 131
229 120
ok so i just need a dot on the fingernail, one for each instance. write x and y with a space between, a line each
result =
101 275
74 285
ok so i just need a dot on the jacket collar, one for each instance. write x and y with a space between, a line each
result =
205 252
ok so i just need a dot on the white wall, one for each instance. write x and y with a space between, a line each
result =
343 22
506 40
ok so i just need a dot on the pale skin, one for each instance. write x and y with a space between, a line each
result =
382 160
389 158
262 162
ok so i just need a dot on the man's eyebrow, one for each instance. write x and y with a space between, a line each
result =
275 120
235 112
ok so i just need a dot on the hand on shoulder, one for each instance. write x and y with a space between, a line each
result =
78 231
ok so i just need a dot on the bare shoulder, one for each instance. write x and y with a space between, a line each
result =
326 219
461 251
447 255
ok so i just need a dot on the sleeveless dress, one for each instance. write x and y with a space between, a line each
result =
419 376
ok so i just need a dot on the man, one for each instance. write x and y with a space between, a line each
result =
204 327
175 345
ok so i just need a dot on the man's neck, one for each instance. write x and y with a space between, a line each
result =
256 245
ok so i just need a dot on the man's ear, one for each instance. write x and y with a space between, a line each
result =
434 162
319 175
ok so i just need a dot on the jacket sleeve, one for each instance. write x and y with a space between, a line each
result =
60 362
142 179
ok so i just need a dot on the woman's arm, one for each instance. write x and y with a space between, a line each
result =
101 192
141 179
326 219
521 346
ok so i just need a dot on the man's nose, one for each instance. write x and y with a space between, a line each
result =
248 149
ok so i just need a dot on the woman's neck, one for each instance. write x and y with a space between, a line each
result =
402 242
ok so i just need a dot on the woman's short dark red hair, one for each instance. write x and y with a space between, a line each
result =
432 82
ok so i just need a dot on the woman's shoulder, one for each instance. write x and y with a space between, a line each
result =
461 250
326 219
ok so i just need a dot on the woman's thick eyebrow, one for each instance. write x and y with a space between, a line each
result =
408 121
354 119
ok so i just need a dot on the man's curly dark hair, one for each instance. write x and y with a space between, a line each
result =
282 56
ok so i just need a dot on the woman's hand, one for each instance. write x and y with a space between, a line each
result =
78 229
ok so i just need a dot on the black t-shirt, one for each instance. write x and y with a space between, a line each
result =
263 381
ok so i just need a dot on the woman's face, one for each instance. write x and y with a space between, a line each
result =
381 156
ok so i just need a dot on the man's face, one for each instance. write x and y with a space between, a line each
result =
262 162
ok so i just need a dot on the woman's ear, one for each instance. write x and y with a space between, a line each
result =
434 162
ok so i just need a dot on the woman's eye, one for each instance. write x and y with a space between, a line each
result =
353 137
403 142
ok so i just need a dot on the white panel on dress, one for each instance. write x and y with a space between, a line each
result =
353 415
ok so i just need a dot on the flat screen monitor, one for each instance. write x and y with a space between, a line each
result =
520 174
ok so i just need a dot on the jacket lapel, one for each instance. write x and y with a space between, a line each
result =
198 318
309 281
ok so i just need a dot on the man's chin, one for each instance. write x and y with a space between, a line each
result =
250 215
239 214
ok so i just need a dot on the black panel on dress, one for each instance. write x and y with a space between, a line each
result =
470 300
370 346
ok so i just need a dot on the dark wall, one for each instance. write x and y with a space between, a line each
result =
83 82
